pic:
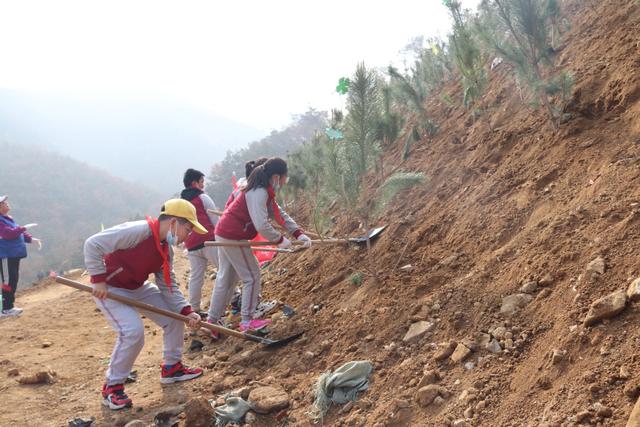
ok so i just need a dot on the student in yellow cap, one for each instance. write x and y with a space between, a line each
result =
120 259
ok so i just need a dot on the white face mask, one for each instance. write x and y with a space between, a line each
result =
172 237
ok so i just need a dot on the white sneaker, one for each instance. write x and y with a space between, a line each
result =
15 311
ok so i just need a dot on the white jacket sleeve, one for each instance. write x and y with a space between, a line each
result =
257 205
208 203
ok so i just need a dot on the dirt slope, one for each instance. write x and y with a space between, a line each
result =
508 201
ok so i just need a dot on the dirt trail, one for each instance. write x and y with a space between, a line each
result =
62 330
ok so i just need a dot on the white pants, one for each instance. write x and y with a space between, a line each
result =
126 321
234 264
199 260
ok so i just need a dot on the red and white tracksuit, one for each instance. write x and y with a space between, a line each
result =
124 256
246 216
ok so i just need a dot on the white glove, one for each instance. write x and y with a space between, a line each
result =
307 241
28 226
37 242
285 244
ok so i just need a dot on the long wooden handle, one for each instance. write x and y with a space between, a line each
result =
246 243
154 309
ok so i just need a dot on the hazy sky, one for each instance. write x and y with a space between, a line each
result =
256 62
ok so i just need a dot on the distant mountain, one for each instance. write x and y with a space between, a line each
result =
69 200
144 139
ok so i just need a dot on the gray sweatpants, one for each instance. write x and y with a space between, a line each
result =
199 260
126 321
234 264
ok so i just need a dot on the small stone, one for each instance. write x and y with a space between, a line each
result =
605 307
459 423
468 413
633 291
557 356
481 405
543 293
624 373
445 351
13 372
469 366
46 344
250 418
430 377
547 280
417 330
583 416
499 332
438 401
199 412
602 411
460 353
369 337
594 389
513 303
632 391
268 399
494 346
406 268
529 287
136 423
43 377
596 266
426 395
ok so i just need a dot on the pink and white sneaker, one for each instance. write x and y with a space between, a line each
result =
254 324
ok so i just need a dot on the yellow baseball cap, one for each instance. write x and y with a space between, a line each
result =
183 209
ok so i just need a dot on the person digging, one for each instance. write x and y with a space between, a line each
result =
120 259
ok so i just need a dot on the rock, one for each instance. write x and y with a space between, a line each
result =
494 346
543 293
557 356
477 341
498 332
633 291
547 280
43 377
445 351
469 365
624 373
634 418
459 423
438 401
13 372
606 307
602 411
529 287
46 344
460 353
632 391
268 399
468 394
164 416
468 413
481 405
417 330
513 303
136 423
596 266
250 418
81 422
430 377
199 413
583 416
427 394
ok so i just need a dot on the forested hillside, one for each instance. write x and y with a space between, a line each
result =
69 200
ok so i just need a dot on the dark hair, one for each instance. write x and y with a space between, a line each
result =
191 176
252 164
165 217
261 175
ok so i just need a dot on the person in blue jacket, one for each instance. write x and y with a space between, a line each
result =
12 248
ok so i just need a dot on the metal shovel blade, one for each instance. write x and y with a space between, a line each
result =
373 234
269 343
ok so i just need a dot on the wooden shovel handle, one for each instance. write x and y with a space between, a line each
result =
309 233
154 309
247 244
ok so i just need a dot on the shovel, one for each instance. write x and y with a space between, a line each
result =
148 307
373 234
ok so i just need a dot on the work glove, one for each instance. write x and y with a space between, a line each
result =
307 241
285 244
37 242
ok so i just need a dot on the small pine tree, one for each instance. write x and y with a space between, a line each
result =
467 54
520 32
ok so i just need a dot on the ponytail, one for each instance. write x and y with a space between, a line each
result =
252 164
261 174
